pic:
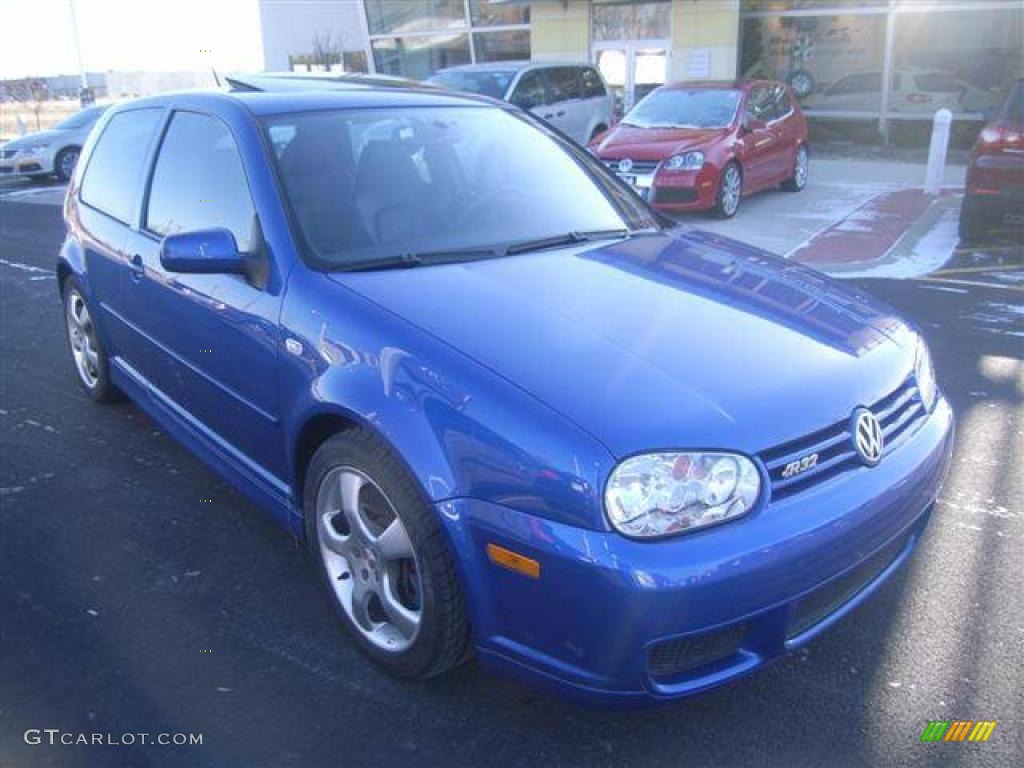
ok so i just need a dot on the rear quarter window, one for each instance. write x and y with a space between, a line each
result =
114 174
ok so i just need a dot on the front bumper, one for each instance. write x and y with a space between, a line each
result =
27 165
677 190
607 613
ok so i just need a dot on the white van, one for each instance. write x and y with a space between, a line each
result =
572 97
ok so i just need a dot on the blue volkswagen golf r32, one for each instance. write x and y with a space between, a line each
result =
512 411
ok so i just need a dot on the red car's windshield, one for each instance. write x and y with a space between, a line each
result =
677 108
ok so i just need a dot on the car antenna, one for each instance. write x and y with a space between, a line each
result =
216 78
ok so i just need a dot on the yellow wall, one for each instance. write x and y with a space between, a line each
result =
562 31
708 24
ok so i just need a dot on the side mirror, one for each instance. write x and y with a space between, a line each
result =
205 251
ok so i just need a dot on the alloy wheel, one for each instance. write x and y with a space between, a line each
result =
369 559
731 190
800 171
84 345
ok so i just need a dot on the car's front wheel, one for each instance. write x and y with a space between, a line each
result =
382 555
65 162
730 190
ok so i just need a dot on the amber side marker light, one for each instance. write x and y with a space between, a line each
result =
506 558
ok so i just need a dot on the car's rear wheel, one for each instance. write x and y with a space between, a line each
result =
382 555
730 190
87 352
65 162
971 228
801 164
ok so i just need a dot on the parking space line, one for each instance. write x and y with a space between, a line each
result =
967 270
976 283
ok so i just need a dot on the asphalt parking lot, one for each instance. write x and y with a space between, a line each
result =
139 594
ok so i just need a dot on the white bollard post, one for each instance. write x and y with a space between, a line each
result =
937 151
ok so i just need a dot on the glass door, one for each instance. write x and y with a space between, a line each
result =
632 69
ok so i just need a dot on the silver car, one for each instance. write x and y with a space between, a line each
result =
51 152
572 97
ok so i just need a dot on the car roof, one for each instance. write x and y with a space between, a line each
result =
265 103
732 85
514 65
301 81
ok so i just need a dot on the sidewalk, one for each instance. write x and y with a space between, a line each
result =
854 217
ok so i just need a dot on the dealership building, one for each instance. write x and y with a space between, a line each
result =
852 62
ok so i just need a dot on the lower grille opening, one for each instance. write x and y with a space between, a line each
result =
673 658
823 602
675 194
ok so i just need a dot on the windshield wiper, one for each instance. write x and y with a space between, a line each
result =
421 258
455 255
398 261
569 238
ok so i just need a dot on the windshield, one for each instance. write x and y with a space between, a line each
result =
81 119
370 185
493 83
676 108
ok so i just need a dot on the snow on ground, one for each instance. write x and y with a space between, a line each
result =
928 254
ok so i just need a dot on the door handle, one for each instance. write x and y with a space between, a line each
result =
135 268
560 114
549 115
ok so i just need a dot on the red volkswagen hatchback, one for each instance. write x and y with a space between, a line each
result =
695 146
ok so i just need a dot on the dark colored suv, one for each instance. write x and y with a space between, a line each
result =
993 206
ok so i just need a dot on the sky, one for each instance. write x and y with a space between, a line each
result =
129 35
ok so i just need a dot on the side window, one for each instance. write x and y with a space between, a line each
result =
759 103
199 182
780 105
564 83
114 174
592 86
530 92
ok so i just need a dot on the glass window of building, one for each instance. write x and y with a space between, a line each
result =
420 56
483 13
415 38
631 21
833 62
412 16
502 45
964 61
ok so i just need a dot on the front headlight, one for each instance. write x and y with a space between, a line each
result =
687 161
658 494
35 149
924 374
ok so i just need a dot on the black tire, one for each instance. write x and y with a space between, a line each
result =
442 640
971 227
724 208
64 163
797 182
99 388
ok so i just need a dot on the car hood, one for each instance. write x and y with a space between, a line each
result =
684 339
654 143
39 137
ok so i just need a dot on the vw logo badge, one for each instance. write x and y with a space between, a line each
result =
625 164
867 436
